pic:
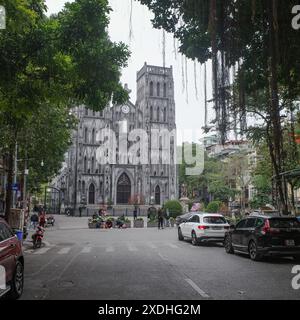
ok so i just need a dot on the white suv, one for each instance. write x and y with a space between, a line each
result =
202 227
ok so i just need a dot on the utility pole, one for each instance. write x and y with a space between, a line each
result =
76 165
24 182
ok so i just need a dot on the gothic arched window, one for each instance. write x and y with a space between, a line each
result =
151 89
123 189
165 114
92 194
165 90
151 113
93 136
85 164
157 114
85 135
158 89
157 195
93 165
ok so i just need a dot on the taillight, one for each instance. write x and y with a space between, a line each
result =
266 228
226 227
203 227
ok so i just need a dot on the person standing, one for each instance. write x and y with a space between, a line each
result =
135 213
42 219
160 215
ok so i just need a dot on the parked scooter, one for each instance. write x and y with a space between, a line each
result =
37 237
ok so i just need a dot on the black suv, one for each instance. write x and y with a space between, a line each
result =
262 235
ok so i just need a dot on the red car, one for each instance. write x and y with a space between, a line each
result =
11 263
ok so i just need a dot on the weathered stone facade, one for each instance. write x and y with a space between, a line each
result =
115 183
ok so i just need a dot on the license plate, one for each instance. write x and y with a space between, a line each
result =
289 242
217 228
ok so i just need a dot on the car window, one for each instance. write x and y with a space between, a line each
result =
259 222
195 219
250 223
5 232
241 224
214 220
284 223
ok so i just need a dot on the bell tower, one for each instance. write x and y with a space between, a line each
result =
155 100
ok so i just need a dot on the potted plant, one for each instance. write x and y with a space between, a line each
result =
112 220
152 223
92 223
138 223
127 223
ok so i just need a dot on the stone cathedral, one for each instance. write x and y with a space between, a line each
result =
84 180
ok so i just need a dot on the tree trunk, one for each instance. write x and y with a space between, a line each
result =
293 196
274 104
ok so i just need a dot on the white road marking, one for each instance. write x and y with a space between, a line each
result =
86 250
110 249
173 246
131 247
64 250
196 288
42 250
163 257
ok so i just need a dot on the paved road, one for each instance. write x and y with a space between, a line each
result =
78 263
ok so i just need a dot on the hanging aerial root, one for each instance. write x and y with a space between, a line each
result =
195 79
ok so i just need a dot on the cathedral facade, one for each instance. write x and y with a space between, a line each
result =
85 179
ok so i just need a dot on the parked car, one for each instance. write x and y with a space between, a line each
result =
12 259
203 227
183 218
264 235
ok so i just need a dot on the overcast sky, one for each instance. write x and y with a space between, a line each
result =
146 46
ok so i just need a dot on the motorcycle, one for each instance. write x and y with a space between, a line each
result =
50 220
37 237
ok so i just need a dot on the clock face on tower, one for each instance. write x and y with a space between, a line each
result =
125 109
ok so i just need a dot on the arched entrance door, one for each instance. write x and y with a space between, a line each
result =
92 194
123 189
157 195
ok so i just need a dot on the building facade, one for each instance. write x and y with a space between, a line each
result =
86 179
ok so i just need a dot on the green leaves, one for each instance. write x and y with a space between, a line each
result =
48 65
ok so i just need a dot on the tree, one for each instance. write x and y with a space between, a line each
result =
213 180
253 40
65 60
213 207
239 170
174 207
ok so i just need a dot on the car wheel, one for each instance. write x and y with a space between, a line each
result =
180 236
194 239
254 255
17 283
228 245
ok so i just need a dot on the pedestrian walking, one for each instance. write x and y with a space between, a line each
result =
135 213
160 215
34 219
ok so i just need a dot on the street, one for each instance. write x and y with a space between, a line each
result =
81 263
